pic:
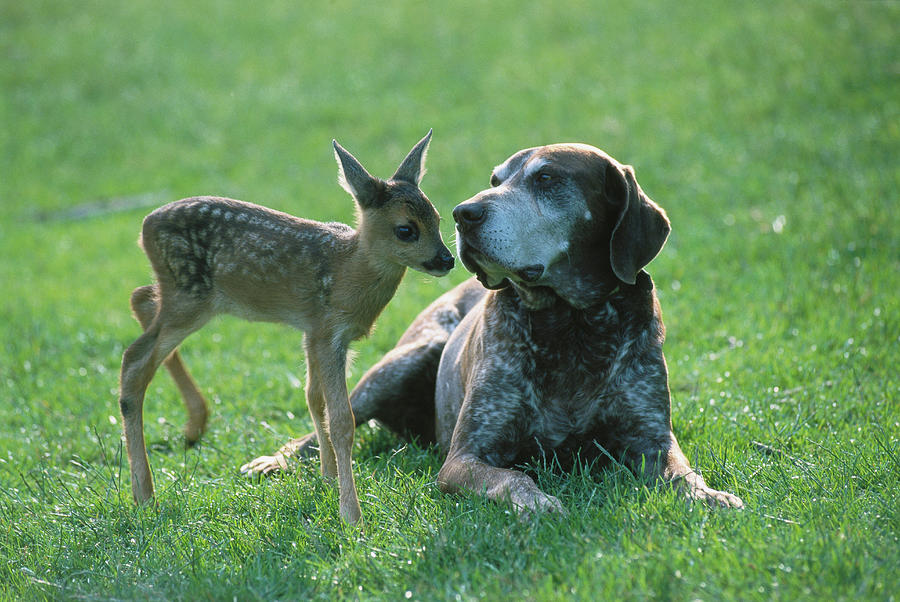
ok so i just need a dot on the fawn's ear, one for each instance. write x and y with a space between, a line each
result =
641 228
354 178
413 167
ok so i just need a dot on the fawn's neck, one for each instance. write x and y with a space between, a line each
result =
368 281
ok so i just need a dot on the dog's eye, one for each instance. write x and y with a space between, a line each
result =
544 178
407 232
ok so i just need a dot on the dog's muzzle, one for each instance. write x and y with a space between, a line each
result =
531 273
492 274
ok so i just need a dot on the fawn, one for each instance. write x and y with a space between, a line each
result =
214 255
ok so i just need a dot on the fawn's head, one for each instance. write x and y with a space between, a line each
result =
395 217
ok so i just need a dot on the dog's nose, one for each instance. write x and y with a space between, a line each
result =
469 214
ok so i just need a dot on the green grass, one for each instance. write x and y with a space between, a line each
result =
769 131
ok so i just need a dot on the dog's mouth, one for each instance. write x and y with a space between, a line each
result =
478 263
491 273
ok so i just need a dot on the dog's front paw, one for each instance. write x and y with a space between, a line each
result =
264 465
536 501
717 499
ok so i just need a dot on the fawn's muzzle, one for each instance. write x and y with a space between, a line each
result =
441 263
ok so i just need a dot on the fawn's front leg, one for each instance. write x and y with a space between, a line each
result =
315 400
331 412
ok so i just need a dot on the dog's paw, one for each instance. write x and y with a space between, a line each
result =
536 502
717 499
264 465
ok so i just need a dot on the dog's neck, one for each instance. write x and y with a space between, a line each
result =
554 324
580 296
535 298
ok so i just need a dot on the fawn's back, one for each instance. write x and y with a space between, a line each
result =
245 259
215 255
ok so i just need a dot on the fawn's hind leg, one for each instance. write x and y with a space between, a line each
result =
139 363
144 303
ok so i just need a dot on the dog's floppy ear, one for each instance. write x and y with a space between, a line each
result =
641 228
413 167
354 178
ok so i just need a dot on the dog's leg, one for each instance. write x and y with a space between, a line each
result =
670 465
465 472
299 448
144 305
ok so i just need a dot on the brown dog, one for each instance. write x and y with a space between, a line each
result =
562 357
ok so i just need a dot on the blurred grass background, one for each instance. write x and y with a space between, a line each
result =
769 132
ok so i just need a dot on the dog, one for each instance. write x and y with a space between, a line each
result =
554 351
213 255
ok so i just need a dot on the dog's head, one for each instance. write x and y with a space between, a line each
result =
566 217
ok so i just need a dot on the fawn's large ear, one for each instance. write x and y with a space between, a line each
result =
413 167
642 226
354 178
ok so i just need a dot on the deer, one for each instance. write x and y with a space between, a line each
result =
213 255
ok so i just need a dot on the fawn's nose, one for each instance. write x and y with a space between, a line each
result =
441 263
446 259
469 213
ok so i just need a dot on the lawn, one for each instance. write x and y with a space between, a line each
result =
769 131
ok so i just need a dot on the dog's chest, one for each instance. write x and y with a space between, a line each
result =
578 367
571 363
569 400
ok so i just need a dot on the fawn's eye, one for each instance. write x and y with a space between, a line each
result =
495 181
407 232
